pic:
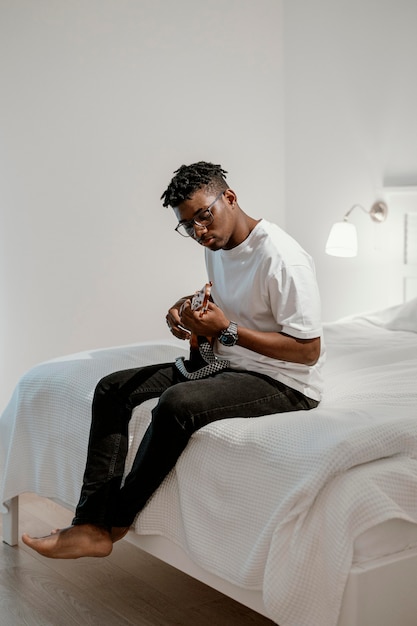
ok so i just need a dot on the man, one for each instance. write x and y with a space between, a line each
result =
265 320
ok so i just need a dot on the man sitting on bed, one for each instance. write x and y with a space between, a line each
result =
264 317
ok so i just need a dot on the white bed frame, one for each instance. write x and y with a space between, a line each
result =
382 592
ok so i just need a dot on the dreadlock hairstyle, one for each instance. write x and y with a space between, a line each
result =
189 178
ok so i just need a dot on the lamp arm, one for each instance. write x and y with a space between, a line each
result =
355 206
378 211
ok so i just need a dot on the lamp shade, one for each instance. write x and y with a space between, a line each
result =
342 240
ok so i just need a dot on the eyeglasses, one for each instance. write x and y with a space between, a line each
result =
202 219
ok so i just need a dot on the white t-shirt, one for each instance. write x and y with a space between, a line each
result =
268 283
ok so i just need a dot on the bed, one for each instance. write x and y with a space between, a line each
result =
310 518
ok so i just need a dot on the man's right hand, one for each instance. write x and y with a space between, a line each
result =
173 319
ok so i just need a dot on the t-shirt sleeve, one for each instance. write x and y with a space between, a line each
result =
295 301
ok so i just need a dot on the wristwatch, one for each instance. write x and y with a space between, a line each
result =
229 336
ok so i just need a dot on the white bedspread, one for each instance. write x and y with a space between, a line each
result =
272 503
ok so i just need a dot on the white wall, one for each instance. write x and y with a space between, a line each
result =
351 127
100 101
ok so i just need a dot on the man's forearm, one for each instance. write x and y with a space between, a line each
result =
280 346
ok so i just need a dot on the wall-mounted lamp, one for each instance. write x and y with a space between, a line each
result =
343 240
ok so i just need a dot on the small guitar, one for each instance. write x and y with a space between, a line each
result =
200 299
199 302
202 361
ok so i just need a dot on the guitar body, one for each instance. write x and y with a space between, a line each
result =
199 302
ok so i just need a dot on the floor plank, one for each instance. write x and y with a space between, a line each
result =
128 588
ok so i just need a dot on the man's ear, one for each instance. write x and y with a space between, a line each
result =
230 196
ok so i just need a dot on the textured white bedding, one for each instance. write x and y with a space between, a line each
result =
274 503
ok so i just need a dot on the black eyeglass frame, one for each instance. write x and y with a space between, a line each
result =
188 225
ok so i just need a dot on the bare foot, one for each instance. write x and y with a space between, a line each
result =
118 532
72 542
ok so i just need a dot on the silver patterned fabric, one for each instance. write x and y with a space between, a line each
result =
213 364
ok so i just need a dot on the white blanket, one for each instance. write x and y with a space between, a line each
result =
272 503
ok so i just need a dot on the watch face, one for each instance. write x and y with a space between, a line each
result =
227 340
229 336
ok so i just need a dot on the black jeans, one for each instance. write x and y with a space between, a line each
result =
184 406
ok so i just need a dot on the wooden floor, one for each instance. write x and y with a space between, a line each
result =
127 588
